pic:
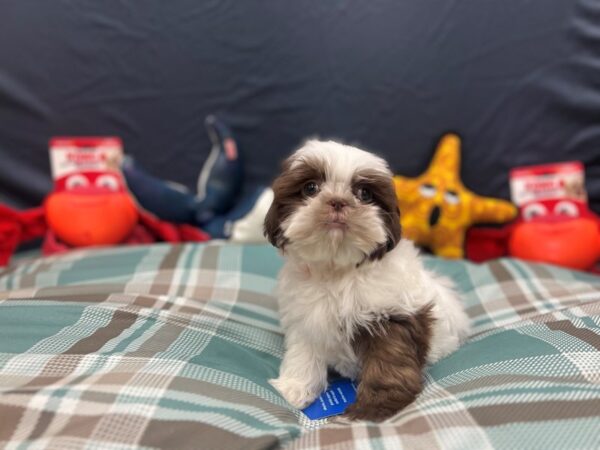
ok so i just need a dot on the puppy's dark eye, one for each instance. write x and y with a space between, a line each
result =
310 189
364 194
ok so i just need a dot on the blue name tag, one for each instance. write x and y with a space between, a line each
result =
333 401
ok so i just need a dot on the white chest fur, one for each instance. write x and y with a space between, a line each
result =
324 306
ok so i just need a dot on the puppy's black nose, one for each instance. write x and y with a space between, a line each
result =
434 216
337 204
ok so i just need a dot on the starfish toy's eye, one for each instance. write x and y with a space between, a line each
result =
427 190
451 197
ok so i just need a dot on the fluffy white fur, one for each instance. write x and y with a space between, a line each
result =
327 290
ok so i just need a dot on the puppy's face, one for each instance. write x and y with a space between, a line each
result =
334 203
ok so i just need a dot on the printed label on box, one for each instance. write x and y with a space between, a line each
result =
74 155
333 401
550 182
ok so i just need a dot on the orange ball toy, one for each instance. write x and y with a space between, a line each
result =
573 242
91 209
92 219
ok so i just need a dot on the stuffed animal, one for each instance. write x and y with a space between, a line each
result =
90 206
561 232
219 183
17 227
436 209
218 207
570 241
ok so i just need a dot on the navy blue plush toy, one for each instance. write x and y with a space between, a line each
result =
217 204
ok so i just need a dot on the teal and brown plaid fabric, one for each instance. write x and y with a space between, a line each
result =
171 347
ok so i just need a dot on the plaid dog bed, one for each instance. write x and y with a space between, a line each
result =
171 347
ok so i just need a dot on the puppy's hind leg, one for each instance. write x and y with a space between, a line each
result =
392 357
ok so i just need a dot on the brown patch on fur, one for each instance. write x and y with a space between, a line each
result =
287 191
384 196
392 357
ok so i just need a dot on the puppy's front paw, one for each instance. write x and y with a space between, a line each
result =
297 393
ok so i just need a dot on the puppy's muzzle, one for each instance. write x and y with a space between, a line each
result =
337 204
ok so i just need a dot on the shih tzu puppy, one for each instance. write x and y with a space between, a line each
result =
353 296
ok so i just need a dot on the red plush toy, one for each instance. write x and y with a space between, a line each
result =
17 227
554 226
556 238
90 205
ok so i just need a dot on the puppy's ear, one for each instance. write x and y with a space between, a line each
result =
272 226
385 198
277 211
287 195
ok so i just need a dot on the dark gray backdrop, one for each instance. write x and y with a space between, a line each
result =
519 79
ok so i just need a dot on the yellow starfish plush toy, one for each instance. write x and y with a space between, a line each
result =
436 209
